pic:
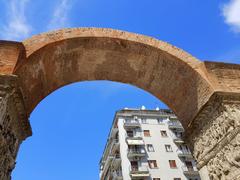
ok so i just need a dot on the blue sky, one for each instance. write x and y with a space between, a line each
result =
209 30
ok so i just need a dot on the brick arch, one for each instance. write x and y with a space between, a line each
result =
62 57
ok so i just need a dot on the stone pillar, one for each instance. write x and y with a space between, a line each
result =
14 124
214 137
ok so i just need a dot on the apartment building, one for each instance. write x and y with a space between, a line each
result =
147 145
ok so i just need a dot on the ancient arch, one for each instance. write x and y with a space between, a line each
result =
204 95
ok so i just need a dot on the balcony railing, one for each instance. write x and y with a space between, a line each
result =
117 175
117 156
115 141
139 171
184 153
136 137
116 161
111 159
136 152
135 141
115 145
132 124
178 140
177 137
114 131
175 125
190 171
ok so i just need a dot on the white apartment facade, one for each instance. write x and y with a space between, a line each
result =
147 145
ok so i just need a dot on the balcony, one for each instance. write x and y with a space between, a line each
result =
190 171
106 164
136 152
112 160
132 124
178 140
134 140
137 137
115 145
114 132
117 175
139 172
177 137
116 162
185 154
175 125
173 117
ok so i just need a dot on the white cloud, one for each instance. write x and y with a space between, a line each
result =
231 12
17 27
60 15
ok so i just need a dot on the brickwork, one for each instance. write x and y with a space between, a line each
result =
48 61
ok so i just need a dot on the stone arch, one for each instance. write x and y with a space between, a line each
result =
61 57
204 95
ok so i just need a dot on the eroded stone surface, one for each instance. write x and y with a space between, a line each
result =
224 77
14 125
226 164
58 58
11 53
214 136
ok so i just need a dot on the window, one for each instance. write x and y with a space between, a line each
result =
156 178
172 164
150 148
176 178
168 148
152 164
146 133
130 133
164 133
178 134
189 165
134 165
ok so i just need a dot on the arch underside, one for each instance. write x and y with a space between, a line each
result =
204 96
178 83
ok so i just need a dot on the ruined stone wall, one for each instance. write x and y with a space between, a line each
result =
14 126
215 137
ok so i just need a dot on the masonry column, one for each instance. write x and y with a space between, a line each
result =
215 138
14 124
